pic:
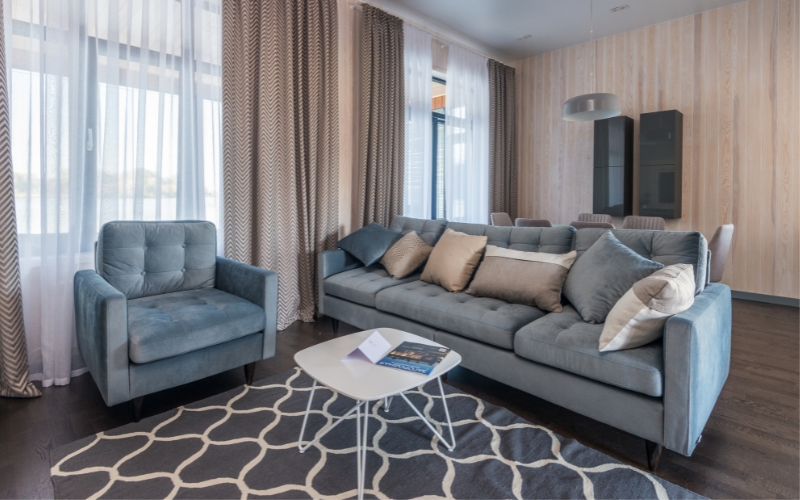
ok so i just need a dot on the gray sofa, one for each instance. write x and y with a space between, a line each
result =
162 310
663 392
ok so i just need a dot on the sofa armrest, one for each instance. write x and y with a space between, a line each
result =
101 320
259 286
332 262
697 356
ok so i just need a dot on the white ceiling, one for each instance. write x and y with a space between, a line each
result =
552 24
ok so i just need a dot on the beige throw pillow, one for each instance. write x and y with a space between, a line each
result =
406 255
530 278
638 317
453 260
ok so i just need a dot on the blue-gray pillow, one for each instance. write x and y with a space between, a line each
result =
369 243
602 275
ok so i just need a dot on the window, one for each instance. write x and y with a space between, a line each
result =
438 106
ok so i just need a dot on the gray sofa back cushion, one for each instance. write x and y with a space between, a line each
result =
429 230
665 247
141 259
527 239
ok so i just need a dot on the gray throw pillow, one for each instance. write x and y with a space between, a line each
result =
369 243
602 275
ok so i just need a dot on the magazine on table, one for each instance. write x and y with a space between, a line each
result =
415 357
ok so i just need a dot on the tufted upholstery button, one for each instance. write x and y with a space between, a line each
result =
183 270
183 246
143 273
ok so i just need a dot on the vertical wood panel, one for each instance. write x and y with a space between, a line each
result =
734 73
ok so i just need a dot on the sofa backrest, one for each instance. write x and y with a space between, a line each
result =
141 259
527 239
666 247
429 230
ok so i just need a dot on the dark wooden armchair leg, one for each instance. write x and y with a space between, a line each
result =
249 372
137 408
335 326
653 454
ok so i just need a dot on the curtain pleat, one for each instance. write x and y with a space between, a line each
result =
280 138
13 349
502 140
382 138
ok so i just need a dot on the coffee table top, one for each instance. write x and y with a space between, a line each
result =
360 379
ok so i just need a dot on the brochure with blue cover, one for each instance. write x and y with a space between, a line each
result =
415 357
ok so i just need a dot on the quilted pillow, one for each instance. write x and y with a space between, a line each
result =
406 255
453 260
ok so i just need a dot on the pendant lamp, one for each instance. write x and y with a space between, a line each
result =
594 106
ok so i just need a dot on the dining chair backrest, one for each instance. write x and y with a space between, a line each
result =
520 222
501 219
639 222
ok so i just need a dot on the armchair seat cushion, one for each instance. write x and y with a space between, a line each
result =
492 321
563 340
163 326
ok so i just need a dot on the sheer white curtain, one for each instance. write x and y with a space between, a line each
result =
466 156
418 61
115 115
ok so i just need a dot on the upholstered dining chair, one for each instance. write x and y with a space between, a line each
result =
501 219
639 222
579 224
584 217
520 222
720 246
161 309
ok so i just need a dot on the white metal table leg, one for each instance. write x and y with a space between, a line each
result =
449 446
325 430
387 402
363 453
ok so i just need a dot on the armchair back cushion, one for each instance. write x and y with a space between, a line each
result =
141 259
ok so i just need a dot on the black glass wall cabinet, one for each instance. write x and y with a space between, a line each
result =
661 164
613 166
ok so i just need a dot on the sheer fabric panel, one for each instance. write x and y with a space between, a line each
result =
116 115
466 160
418 60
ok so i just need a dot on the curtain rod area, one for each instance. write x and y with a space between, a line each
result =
434 33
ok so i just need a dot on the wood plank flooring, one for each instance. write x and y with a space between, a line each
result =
749 447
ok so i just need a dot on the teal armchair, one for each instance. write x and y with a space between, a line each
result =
161 309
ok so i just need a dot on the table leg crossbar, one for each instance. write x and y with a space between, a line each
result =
326 429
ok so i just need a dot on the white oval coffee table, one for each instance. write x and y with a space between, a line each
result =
363 381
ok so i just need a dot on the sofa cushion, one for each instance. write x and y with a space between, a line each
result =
492 321
369 243
361 284
453 260
152 258
163 326
602 275
563 340
526 239
665 247
429 230
406 256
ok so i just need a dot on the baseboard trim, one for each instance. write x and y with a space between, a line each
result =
769 299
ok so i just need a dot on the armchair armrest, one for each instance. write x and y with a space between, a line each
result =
330 262
697 356
101 320
259 286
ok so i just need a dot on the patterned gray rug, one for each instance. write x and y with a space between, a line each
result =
243 443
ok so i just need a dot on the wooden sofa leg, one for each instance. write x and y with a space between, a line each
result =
249 372
137 408
653 454
335 326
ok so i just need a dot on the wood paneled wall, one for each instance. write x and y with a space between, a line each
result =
734 73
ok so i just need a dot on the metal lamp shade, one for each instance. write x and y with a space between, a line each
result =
591 107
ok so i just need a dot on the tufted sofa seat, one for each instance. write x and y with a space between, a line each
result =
484 319
362 284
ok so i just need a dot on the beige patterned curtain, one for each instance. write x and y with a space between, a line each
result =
280 141
382 117
502 140
13 349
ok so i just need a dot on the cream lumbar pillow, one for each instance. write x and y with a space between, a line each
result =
530 278
453 260
406 255
638 317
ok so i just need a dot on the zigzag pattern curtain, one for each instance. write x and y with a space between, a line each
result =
13 349
280 141
502 139
382 117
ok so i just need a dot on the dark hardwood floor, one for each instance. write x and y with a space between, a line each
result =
749 447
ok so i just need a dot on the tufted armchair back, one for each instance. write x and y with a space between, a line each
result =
141 259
